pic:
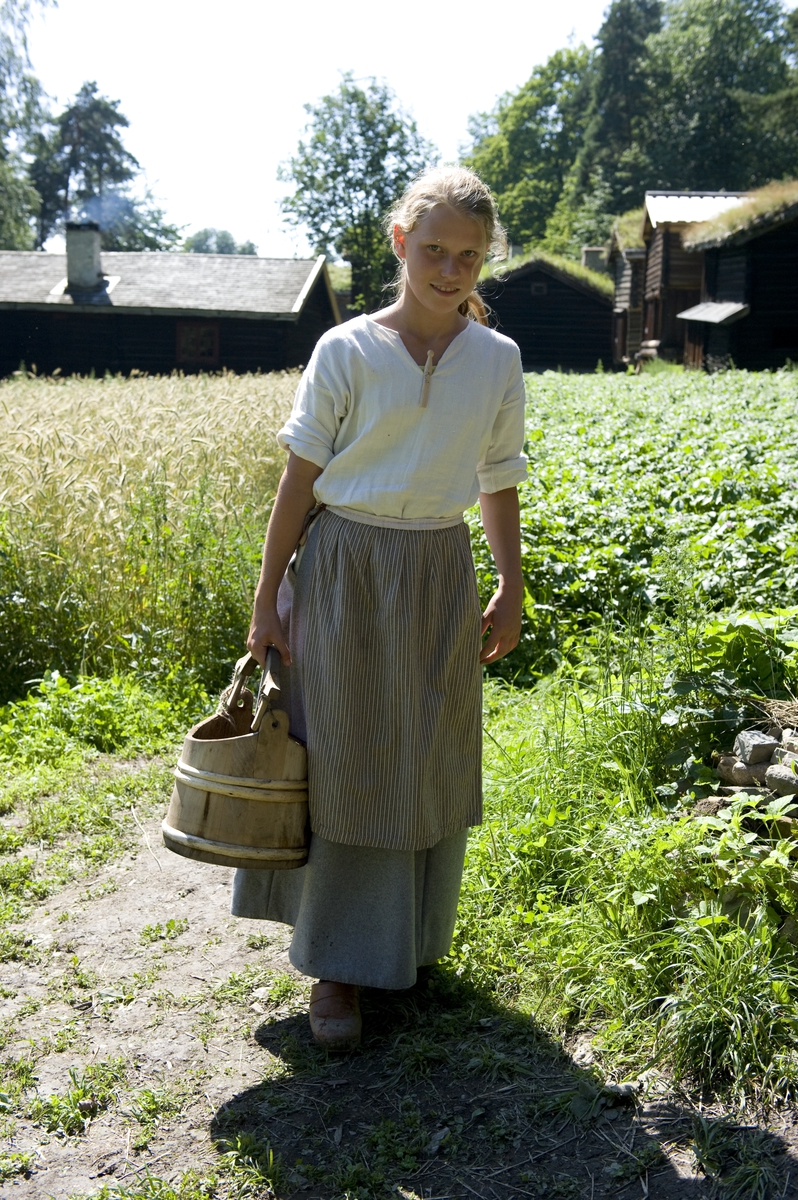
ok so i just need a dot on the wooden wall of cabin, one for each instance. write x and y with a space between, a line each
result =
559 327
764 274
316 318
78 343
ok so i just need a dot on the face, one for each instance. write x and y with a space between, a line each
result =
443 256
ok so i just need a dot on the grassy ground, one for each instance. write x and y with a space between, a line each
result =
614 947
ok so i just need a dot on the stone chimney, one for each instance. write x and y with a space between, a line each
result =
594 257
84 271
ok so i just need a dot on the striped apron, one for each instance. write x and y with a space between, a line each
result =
385 688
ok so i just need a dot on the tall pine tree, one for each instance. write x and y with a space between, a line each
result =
613 146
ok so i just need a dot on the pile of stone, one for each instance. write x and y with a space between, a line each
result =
762 761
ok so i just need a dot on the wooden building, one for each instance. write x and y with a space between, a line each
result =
558 312
747 314
672 280
626 259
85 311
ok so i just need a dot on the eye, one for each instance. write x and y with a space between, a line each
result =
433 246
470 253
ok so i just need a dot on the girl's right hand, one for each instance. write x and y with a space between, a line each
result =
265 630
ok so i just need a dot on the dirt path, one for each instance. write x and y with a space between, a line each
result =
185 1033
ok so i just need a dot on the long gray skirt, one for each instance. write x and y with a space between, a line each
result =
368 913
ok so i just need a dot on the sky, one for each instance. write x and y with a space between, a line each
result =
214 92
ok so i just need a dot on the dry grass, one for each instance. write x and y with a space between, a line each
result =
759 207
126 504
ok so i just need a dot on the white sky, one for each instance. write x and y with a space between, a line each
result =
214 91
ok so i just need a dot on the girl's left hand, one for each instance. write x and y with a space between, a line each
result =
503 618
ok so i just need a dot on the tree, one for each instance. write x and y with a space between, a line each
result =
18 205
707 64
526 147
81 168
619 99
586 222
360 154
217 241
19 95
88 138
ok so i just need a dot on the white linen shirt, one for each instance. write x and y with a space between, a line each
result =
385 459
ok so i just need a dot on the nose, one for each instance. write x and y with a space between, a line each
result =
449 267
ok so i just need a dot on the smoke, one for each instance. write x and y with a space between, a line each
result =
111 211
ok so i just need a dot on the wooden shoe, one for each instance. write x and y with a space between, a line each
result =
334 1012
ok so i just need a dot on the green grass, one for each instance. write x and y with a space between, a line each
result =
91 1091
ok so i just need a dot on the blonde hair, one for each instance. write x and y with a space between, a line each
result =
460 189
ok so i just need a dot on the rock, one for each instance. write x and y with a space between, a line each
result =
745 791
745 775
775 731
753 746
740 774
790 740
725 766
780 755
709 806
782 779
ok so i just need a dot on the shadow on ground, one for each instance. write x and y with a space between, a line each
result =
454 1096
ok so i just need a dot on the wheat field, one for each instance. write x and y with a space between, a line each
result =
132 512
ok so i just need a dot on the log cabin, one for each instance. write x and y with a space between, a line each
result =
672 281
558 311
626 258
747 312
86 311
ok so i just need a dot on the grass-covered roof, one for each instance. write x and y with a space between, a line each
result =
574 272
627 230
758 212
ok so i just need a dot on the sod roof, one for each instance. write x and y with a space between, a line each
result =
757 213
570 272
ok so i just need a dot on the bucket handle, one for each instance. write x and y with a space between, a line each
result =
269 689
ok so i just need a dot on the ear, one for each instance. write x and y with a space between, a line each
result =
399 242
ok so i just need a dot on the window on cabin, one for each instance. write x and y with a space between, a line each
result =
539 289
198 343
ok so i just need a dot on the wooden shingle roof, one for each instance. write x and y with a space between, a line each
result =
167 284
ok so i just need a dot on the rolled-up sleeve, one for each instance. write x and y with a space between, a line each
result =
504 464
316 415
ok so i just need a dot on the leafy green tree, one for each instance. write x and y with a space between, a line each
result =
19 94
360 153
18 205
620 95
708 61
526 147
586 222
217 241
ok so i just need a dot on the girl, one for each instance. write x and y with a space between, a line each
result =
401 420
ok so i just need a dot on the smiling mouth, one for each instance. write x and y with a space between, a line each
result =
447 291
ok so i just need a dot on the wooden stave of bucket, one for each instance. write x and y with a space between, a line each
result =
240 801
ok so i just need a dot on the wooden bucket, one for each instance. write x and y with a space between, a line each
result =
241 793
